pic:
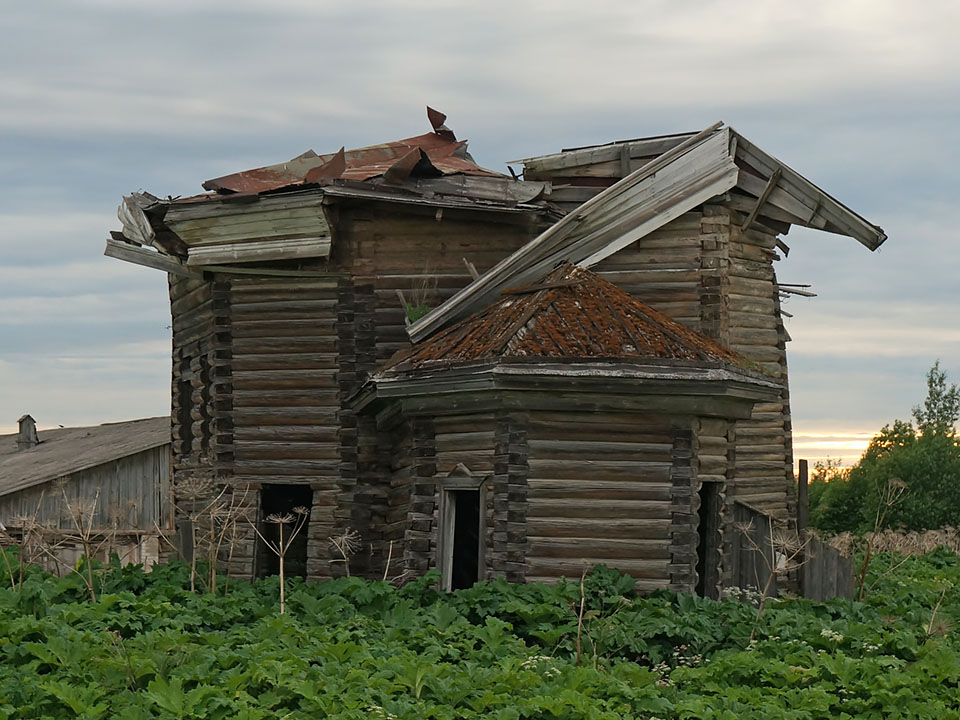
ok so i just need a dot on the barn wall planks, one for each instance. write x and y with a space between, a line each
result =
130 493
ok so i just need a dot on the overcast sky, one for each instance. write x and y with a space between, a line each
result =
102 97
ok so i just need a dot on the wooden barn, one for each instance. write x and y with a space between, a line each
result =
291 285
110 482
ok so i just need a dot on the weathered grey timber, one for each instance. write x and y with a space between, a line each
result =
118 474
292 284
583 414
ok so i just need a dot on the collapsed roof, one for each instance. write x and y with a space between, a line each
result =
572 337
569 314
613 195
278 212
676 174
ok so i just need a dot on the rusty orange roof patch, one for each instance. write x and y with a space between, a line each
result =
570 313
432 154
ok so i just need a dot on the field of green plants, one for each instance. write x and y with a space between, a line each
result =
149 648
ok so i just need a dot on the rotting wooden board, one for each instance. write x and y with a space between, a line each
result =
260 251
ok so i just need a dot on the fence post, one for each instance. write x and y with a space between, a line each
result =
803 510
803 518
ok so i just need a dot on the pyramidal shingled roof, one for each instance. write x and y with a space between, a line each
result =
570 313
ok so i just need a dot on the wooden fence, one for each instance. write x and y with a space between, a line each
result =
825 573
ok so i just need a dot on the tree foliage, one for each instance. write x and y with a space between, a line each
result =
925 457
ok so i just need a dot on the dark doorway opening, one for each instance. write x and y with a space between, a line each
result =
708 548
465 566
282 501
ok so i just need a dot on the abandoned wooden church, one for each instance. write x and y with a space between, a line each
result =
483 374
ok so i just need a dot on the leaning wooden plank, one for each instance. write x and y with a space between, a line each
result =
148 258
771 184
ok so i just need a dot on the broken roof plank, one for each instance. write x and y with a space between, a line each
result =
148 258
643 147
842 219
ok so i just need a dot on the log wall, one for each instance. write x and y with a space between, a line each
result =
602 489
382 250
420 253
714 461
704 271
283 402
255 398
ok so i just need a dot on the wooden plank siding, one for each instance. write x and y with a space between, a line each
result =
132 494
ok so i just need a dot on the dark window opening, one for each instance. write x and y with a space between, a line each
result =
708 548
282 501
465 566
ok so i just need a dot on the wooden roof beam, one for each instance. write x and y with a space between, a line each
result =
771 184
148 258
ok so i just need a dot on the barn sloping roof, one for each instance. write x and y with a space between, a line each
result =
686 171
64 451
568 314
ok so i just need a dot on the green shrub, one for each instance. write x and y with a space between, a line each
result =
350 648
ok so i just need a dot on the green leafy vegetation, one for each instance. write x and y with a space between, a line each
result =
923 455
148 647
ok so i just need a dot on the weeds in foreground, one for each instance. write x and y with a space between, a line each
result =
890 495
346 545
280 546
781 557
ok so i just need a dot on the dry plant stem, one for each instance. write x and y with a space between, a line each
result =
83 522
386 569
281 547
228 526
23 548
6 562
888 571
583 601
771 563
118 643
889 497
346 544
933 617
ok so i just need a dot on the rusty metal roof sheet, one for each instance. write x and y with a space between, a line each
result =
433 154
570 313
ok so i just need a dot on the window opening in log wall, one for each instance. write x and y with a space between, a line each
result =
282 500
708 547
